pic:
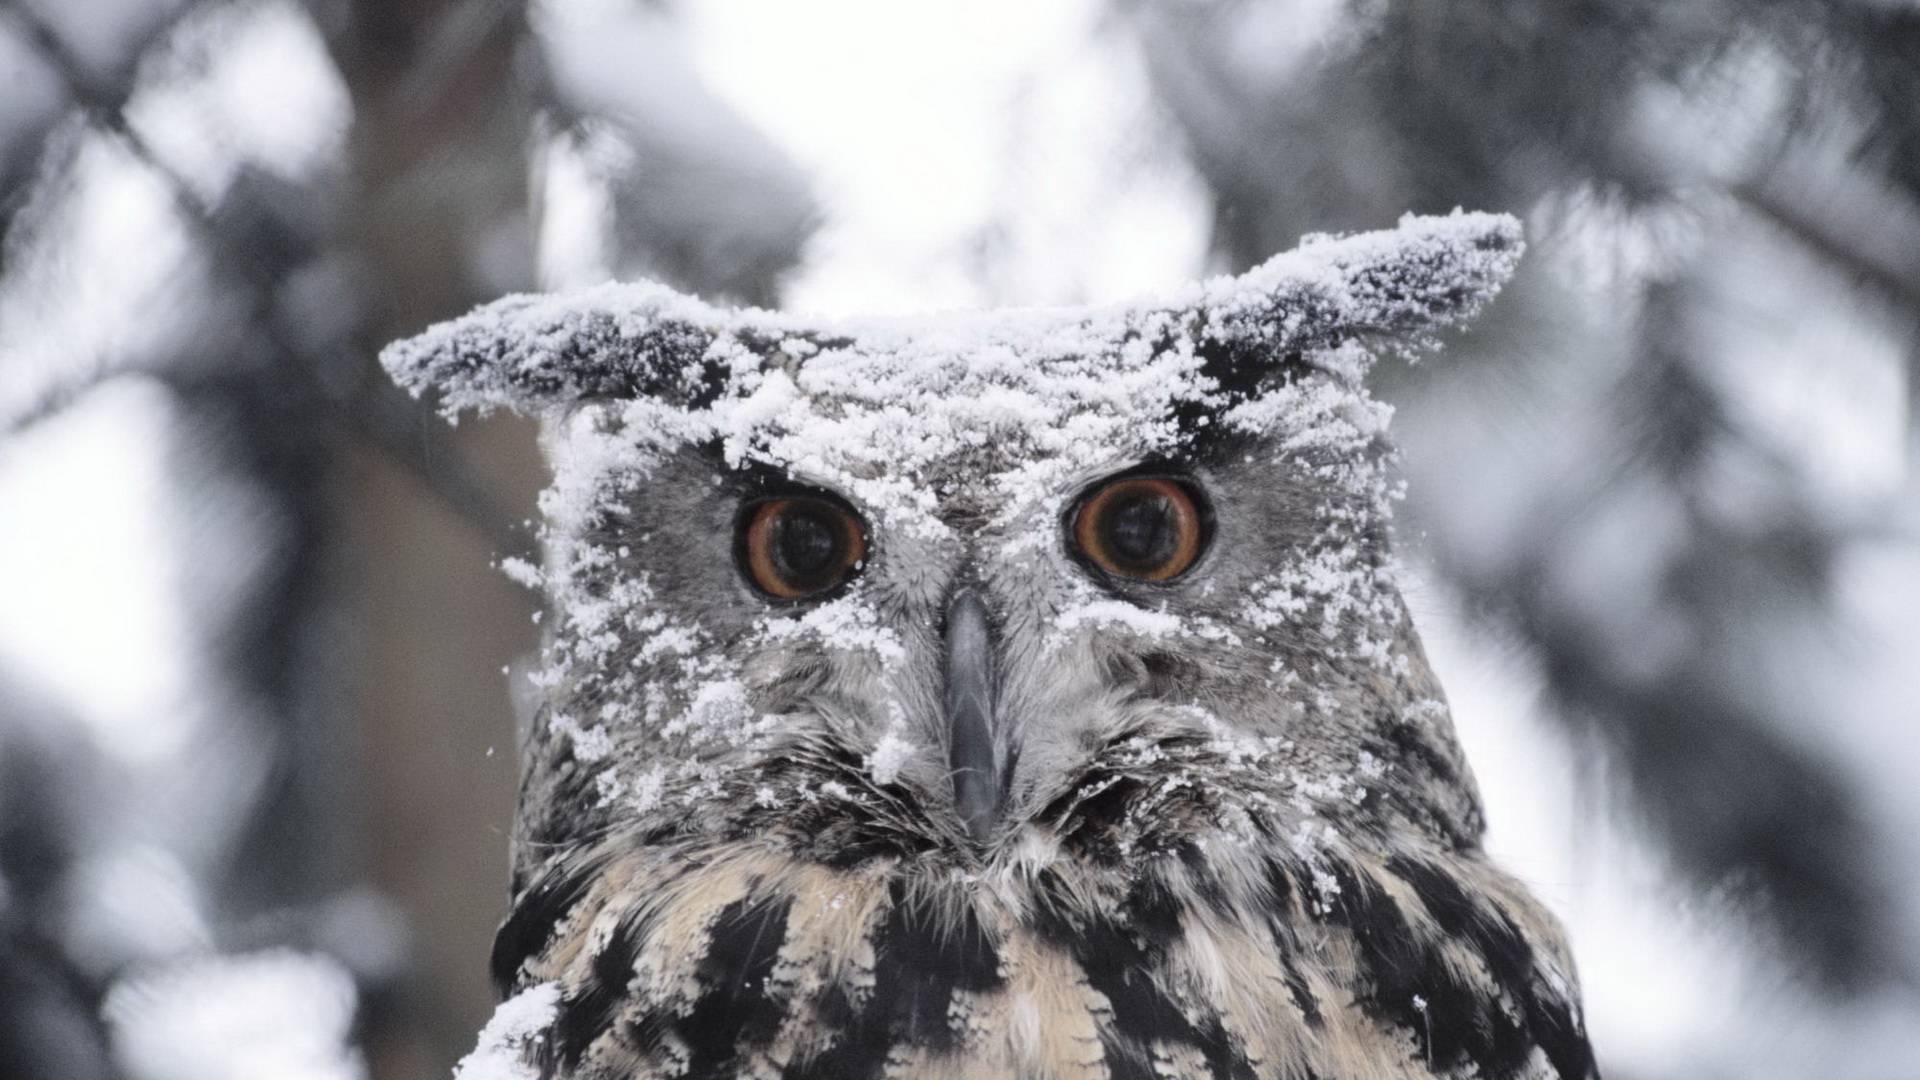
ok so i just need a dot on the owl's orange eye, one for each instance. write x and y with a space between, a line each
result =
797 546
1147 528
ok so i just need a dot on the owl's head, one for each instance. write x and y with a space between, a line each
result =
983 589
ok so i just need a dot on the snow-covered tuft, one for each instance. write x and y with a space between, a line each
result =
645 340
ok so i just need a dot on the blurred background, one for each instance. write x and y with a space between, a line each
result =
257 722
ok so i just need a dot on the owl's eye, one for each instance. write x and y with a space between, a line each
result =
796 546
1147 528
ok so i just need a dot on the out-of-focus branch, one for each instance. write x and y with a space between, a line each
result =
1866 230
697 196
434 221
111 90
373 411
383 419
1870 234
1711 763
398 427
451 44
105 108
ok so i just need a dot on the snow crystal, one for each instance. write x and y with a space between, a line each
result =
521 572
1337 592
846 623
890 754
590 744
518 1023
1107 612
1326 890
718 707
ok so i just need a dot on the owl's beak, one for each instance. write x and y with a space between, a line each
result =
969 655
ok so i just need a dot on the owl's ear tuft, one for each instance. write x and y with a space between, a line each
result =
1402 283
618 341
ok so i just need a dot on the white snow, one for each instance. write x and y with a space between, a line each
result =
848 624
893 750
517 1023
1107 612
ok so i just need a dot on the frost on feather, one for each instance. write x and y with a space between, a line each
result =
517 1026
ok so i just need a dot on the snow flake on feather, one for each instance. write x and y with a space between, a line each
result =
1338 594
1096 611
518 1024
845 625
893 750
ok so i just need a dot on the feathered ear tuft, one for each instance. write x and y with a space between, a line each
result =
1427 274
527 352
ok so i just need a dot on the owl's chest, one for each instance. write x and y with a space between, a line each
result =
758 966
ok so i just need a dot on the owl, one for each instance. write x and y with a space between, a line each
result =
1005 694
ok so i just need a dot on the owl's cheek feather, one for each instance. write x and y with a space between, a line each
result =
746 961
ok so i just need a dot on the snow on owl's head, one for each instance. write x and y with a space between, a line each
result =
969 588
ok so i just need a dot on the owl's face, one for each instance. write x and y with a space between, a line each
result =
980 591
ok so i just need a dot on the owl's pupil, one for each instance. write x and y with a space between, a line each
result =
1141 532
808 544
799 546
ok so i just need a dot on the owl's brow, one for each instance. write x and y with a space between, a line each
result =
1204 437
1215 443
748 478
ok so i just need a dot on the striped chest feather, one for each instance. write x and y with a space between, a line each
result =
1217 961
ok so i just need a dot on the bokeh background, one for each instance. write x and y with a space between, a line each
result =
257 712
